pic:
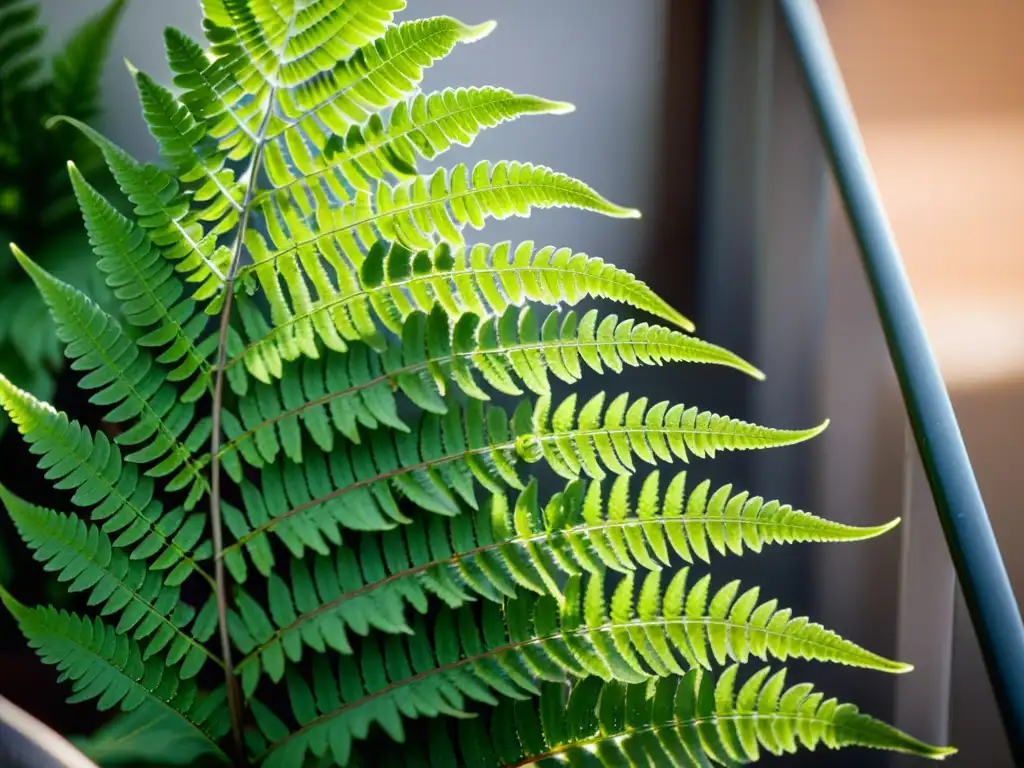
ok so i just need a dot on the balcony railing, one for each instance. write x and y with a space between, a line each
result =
778 120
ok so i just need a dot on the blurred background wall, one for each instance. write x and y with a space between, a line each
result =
936 85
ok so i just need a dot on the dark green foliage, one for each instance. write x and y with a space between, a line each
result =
37 209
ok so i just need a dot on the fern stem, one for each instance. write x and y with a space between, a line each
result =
234 694
260 142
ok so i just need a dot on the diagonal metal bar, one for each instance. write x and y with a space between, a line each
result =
972 543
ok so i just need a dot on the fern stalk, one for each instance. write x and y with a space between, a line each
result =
216 523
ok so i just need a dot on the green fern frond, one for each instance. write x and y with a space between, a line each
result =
611 436
416 213
230 93
393 283
150 294
128 381
376 76
78 67
708 627
85 556
110 668
426 125
210 89
435 462
510 353
191 153
149 735
696 720
493 551
507 654
91 466
687 525
310 40
160 207
433 465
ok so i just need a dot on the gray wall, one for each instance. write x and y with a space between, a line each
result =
605 56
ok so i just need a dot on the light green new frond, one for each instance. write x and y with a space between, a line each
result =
510 354
602 438
215 89
470 659
432 464
430 123
110 668
127 381
78 67
417 212
426 125
699 719
150 293
91 466
393 282
236 99
412 214
486 280
374 77
493 551
295 41
151 611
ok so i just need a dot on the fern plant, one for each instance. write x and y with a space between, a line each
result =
316 527
37 205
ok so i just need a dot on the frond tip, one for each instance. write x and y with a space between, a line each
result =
599 438
479 31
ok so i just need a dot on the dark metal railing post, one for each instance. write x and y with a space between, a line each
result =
972 543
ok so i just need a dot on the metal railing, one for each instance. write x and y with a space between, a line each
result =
778 110
969 536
